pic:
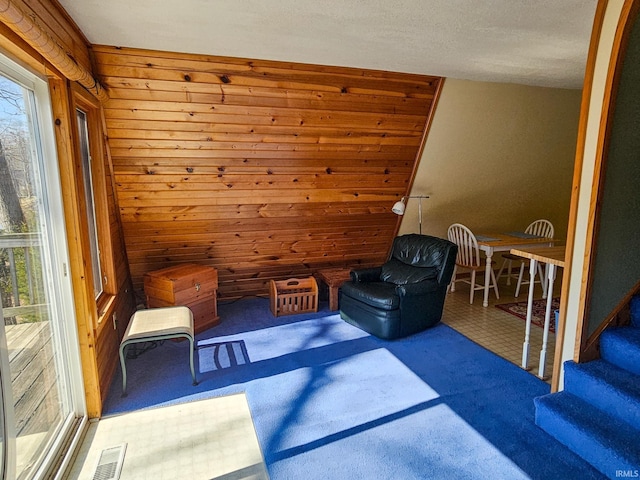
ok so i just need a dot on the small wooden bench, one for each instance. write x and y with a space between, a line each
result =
334 278
157 324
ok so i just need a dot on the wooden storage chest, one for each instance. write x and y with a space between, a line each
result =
192 285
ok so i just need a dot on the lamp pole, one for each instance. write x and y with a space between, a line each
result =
399 206
419 197
420 214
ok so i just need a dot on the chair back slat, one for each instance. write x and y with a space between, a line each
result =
468 252
541 228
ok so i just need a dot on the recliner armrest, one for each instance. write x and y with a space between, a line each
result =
366 275
448 265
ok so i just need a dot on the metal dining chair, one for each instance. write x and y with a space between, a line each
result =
540 228
468 258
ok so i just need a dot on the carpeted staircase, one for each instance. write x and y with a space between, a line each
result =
597 415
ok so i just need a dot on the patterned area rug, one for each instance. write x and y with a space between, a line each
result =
519 309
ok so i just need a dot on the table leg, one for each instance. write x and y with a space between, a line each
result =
487 279
545 276
547 318
533 267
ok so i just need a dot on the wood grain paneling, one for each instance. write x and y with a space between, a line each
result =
108 338
99 339
53 19
264 170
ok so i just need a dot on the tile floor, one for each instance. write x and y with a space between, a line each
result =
496 330
224 445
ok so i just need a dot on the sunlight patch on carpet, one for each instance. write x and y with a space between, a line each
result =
274 342
325 399
218 356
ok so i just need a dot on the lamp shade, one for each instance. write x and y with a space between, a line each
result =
398 208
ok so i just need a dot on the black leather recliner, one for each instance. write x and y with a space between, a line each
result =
405 295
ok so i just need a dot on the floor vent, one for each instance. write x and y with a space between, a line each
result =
110 463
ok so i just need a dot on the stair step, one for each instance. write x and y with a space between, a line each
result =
621 347
607 443
607 387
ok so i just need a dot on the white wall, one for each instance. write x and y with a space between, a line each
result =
498 156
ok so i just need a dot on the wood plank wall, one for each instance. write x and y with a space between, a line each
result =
264 170
53 19
108 339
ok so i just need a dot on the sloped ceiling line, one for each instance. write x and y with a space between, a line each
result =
12 16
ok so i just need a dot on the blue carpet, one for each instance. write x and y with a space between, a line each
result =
332 402
621 346
597 415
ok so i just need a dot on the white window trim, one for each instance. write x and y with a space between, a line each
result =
64 301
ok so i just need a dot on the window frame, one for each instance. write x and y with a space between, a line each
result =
67 341
82 100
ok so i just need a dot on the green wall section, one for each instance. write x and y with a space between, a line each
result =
617 260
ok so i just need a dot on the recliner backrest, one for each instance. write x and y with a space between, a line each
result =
426 251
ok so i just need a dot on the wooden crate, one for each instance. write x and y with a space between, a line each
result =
296 295
192 285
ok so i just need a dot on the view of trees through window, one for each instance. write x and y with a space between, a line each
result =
13 157
19 262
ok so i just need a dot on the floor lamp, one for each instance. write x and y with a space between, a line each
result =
399 206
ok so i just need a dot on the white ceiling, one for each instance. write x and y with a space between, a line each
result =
533 42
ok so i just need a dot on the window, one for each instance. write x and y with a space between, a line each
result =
41 398
85 155
92 161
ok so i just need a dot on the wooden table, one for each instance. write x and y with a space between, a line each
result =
334 278
504 242
553 257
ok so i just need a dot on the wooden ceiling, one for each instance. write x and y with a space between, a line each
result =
265 170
